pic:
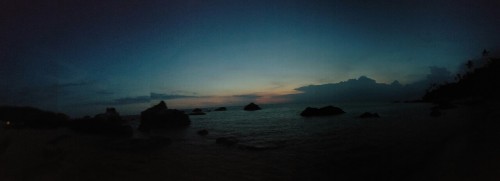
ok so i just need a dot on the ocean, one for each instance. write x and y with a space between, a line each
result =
276 143
281 125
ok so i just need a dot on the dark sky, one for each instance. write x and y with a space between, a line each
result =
81 56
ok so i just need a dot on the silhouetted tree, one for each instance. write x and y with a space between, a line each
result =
458 77
469 65
481 83
485 53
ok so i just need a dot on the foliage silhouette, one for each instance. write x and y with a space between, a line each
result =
480 82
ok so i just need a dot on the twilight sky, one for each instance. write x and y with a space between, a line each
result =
81 56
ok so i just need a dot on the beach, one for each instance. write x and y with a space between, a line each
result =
404 144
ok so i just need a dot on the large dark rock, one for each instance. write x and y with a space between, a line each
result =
108 123
159 116
28 117
252 107
197 111
369 115
324 111
220 109
111 115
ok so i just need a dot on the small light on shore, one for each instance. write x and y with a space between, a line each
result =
7 123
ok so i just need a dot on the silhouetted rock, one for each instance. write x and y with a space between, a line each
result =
28 117
220 109
252 107
108 123
228 141
197 111
111 115
369 115
324 111
160 117
203 132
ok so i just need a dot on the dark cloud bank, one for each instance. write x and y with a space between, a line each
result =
143 99
367 89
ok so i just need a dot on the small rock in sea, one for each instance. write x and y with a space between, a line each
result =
220 109
324 111
228 141
252 107
369 115
197 111
203 132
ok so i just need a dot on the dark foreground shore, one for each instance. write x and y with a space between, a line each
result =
462 144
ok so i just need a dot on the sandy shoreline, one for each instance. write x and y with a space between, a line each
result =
460 145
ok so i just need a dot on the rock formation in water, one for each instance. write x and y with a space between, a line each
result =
220 109
324 111
108 123
159 116
197 111
369 115
252 107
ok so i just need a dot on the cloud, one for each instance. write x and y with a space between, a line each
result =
73 84
247 96
104 92
156 96
131 100
361 89
144 99
367 89
438 74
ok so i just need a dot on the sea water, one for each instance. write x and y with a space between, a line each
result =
277 141
274 143
281 125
